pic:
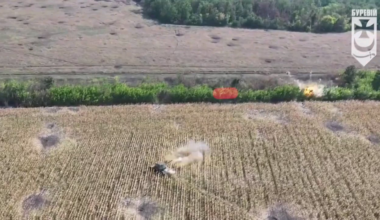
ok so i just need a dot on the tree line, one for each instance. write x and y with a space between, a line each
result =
360 85
318 16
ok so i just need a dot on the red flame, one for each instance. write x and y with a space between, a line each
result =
225 93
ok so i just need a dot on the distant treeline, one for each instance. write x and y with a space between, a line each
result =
319 16
362 85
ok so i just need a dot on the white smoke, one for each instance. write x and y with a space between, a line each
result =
190 153
316 86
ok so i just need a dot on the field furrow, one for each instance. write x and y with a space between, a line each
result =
277 159
302 174
340 182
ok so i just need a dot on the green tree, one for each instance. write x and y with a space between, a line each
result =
297 15
184 10
349 76
326 24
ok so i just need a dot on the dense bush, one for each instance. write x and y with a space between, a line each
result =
294 15
376 81
360 85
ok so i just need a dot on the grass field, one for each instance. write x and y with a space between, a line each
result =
66 39
320 160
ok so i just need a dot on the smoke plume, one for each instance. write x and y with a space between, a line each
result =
192 152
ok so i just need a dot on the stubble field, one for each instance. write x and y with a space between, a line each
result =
318 160
75 40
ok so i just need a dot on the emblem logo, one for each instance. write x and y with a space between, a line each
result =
364 35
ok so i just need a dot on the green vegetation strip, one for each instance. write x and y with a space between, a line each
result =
362 85
294 15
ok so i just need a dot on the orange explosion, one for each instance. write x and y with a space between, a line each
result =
308 92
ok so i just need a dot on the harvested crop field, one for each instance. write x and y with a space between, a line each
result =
68 38
267 161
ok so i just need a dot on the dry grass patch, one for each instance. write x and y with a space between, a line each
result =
263 115
157 108
335 110
73 110
304 109
173 125
53 110
60 110
51 126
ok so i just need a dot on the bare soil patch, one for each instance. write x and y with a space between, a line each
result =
139 26
374 139
273 47
334 126
268 60
142 209
33 203
215 37
50 138
49 141
232 44
281 212
179 33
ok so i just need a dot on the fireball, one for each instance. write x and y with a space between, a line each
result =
308 92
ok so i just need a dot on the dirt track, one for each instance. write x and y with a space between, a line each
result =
70 38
